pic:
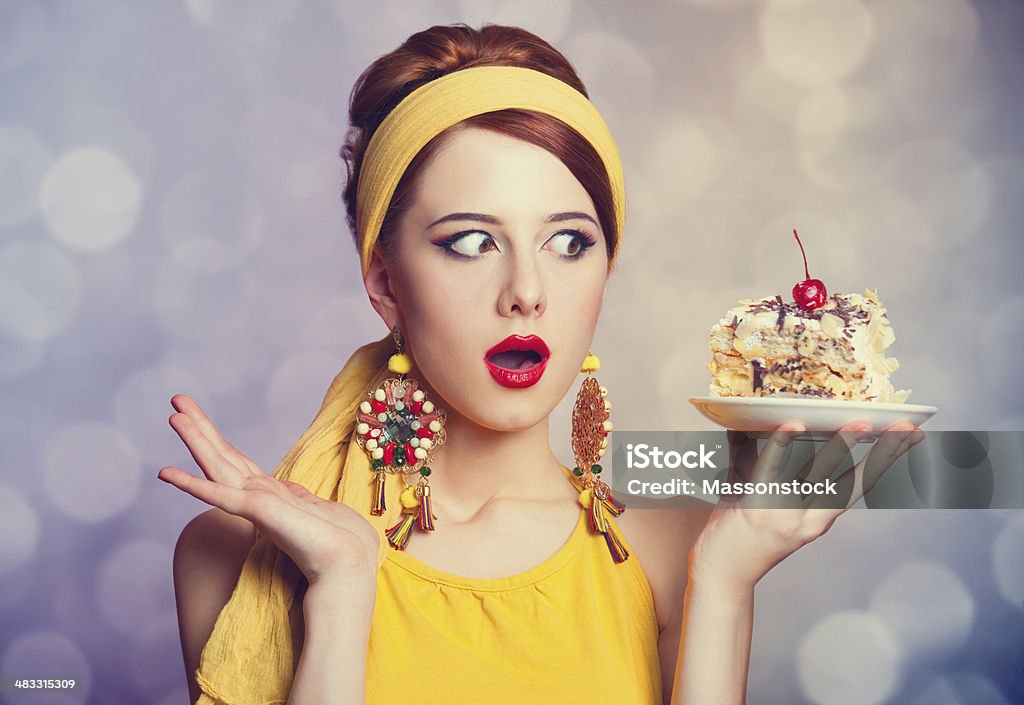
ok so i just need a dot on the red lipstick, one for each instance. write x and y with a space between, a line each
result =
517 361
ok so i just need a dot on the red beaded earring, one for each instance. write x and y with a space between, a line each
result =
400 430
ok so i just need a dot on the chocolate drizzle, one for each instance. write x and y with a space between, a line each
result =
789 366
809 392
758 374
837 304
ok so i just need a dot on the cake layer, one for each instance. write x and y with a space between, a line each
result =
769 347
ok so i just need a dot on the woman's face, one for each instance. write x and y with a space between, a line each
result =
501 240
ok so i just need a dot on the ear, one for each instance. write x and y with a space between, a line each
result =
378 287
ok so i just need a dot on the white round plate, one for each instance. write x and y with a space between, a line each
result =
822 417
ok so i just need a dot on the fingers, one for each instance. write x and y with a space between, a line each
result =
742 455
321 507
301 492
214 465
891 444
835 451
188 406
773 456
230 499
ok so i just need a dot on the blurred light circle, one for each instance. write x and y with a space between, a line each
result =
134 588
210 221
681 160
1008 561
19 531
98 122
92 472
47 654
926 606
848 658
763 98
296 389
24 159
821 119
39 290
813 43
90 199
142 406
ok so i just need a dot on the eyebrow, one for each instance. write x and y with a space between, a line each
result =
484 218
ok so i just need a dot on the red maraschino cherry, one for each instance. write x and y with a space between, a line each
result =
810 293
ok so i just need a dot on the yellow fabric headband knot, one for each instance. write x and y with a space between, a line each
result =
446 101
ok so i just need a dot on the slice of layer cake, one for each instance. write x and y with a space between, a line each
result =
768 347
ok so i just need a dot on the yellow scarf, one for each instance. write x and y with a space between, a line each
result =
251 656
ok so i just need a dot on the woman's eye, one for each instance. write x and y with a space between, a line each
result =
571 243
470 244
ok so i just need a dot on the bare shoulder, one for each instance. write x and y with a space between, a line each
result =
208 559
661 540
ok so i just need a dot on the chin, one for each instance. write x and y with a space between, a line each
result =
512 423
509 413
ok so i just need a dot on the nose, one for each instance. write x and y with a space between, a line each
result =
524 291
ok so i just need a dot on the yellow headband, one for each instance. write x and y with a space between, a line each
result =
446 101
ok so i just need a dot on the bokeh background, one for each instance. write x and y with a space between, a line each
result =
170 222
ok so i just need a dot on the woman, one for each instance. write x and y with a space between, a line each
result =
484 222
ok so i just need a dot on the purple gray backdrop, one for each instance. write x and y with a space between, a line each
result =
170 222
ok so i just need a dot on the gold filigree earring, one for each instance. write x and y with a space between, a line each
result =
590 428
400 430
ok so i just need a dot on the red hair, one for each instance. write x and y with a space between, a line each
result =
440 50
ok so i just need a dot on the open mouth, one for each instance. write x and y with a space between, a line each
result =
515 359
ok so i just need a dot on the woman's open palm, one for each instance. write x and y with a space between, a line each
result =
744 539
322 537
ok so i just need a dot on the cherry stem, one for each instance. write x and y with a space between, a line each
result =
806 273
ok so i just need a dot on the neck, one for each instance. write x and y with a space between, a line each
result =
479 465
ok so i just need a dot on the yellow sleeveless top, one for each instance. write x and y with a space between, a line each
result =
577 628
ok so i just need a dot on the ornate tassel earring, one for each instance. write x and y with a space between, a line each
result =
400 430
590 428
